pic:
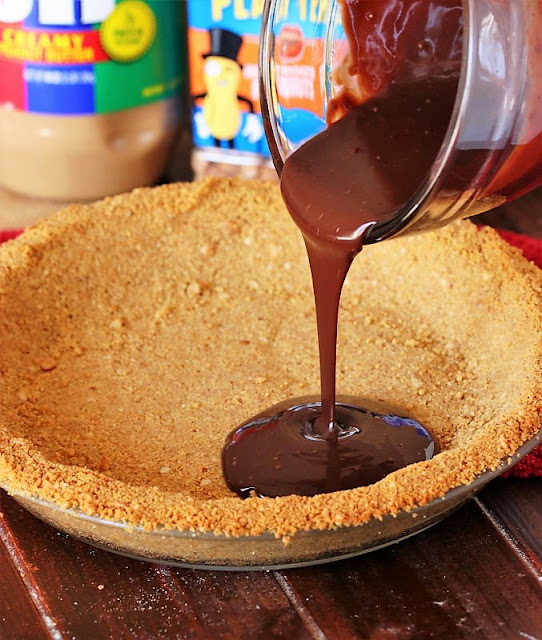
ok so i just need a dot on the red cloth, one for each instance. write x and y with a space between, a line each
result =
9 234
531 465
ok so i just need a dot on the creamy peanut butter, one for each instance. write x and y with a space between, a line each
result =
84 157
89 95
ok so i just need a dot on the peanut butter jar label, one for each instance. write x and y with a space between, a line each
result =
223 39
83 57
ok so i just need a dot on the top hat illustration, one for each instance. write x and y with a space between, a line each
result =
224 43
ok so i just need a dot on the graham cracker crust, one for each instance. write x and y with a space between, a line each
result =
139 330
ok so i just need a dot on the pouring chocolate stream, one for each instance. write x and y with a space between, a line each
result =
359 171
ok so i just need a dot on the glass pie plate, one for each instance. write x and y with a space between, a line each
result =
262 552
131 348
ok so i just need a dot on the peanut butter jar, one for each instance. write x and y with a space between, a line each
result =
90 94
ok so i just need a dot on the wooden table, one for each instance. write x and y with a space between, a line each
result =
478 574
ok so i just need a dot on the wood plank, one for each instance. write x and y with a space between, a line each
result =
19 617
95 594
517 504
460 579
222 602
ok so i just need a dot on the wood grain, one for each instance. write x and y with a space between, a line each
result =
93 594
516 505
18 613
459 580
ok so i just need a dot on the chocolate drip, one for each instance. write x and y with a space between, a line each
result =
361 170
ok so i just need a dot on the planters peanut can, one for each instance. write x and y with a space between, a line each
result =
223 38
227 127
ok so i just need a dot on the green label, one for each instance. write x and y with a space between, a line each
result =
157 74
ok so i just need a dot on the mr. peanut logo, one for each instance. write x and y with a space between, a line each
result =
221 117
